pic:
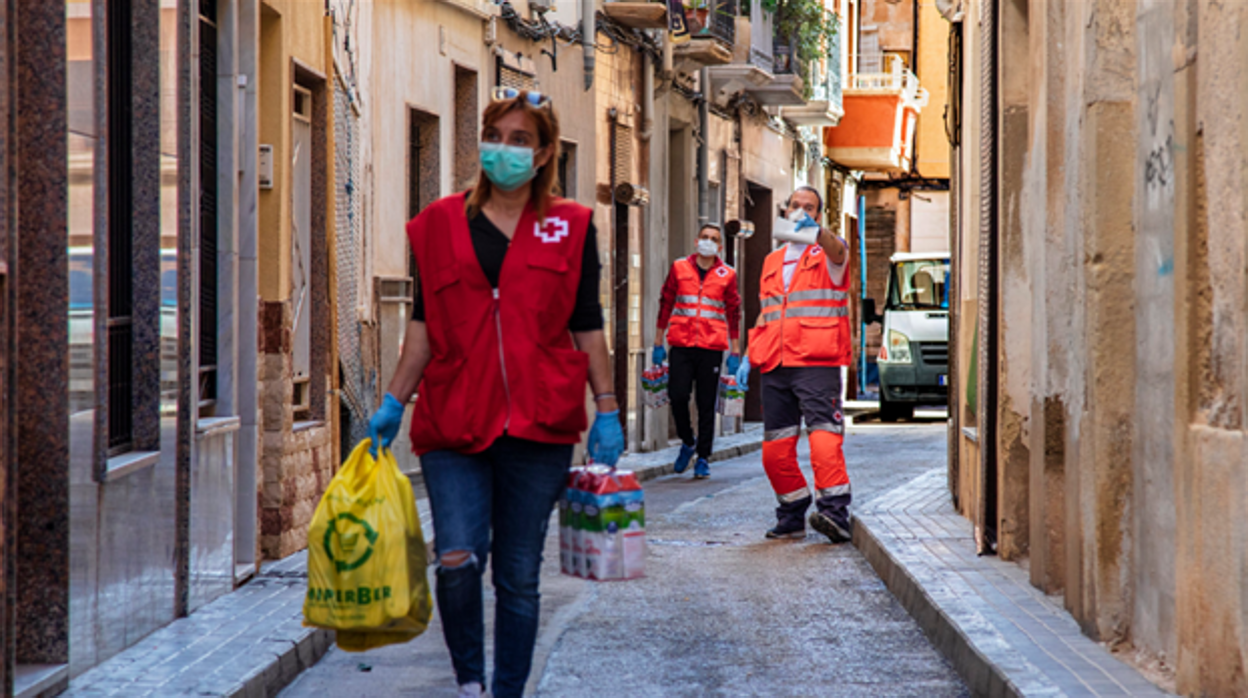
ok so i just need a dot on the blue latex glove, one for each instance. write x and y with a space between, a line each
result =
734 363
659 355
606 438
806 221
384 425
743 374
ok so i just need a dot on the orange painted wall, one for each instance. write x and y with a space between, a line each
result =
869 122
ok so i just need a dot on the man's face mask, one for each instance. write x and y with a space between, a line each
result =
507 166
707 248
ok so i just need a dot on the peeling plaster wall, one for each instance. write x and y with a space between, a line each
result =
1124 333
1153 506
1212 584
1014 329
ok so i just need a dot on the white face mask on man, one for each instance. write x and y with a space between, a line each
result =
707 248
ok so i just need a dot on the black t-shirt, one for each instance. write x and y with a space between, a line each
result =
491 246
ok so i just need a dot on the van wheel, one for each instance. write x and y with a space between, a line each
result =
894 412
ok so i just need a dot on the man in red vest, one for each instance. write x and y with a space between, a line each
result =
700 310
800 343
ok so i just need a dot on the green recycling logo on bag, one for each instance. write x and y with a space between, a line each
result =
348 542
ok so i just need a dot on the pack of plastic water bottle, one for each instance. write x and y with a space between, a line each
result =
602 525
731 401
654 386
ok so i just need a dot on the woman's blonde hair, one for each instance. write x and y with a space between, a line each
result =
544 186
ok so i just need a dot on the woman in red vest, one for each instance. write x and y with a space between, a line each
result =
505 334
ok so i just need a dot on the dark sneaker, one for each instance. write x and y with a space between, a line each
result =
682 460
777 533
701 469
834 530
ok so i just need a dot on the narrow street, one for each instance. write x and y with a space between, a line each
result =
721 612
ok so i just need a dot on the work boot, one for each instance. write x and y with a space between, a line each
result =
833 524
701 469
777 533
790 520
682 460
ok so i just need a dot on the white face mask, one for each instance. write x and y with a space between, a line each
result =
707 248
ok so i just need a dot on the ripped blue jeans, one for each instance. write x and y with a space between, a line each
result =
493 506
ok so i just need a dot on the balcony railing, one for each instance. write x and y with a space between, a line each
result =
826 77
718 20
893 76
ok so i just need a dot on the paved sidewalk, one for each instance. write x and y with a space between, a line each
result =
252 643
1003 635
248 643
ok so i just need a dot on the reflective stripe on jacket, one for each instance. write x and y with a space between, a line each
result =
806 326
699 317
500 362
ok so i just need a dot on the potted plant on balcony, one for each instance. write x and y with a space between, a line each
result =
697 16
808 27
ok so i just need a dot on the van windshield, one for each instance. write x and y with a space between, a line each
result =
921 284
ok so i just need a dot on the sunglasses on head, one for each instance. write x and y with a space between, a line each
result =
535 99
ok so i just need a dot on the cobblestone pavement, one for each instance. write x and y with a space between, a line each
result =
721 612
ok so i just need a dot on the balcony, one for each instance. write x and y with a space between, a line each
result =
824 108
712 33
881 111
638 15
768 74
785 87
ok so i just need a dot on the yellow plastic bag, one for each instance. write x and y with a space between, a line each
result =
366 556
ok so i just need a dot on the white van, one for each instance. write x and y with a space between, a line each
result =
914 352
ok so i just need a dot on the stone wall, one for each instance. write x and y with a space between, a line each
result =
296 459
1122 343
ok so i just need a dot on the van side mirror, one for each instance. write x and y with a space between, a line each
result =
868 311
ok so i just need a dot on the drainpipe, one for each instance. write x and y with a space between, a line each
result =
647 98
588 34
668 60
704 119
862 261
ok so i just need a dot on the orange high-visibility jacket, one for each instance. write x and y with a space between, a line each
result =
806 326
699 317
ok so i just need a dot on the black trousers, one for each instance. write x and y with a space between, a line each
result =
688 366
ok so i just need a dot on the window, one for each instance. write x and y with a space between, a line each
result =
567 169
207 206
120 321
466 125
422 167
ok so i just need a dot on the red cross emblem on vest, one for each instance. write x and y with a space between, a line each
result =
551 230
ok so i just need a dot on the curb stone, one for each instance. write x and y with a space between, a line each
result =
1002 636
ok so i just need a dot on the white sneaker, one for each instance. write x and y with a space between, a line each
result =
471 690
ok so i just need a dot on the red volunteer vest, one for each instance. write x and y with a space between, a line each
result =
806 326
698 318
501 362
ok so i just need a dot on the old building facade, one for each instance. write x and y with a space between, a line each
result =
1100 344
204 279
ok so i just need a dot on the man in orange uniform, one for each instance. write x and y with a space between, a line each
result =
700 310
800 343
